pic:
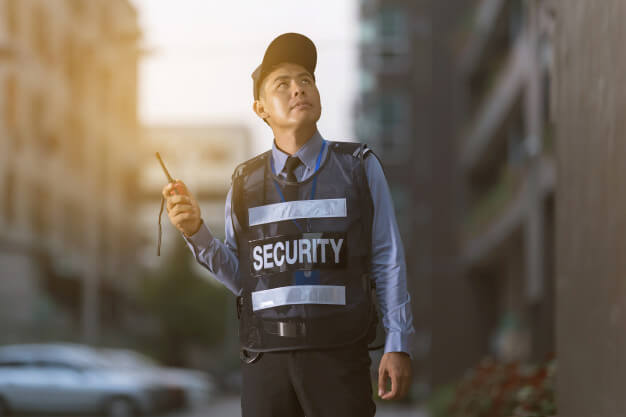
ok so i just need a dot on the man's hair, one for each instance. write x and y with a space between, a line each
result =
262 85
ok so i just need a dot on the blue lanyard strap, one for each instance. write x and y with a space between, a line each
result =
317 166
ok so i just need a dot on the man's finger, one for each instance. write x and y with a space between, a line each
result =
382 380
180 208
166 190
403 388
177 199
181 218
174 188
394 388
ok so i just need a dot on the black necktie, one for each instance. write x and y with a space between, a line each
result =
290 167
291 191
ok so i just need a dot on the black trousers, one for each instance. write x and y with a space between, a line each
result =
311 383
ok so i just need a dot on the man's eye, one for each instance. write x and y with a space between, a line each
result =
306 81
283 84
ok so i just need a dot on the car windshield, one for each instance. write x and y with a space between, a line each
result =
128 359
78 357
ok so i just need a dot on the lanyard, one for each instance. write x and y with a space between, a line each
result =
317 166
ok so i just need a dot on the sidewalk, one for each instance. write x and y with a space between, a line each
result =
230 407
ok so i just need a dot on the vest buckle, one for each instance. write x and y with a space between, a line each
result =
285 328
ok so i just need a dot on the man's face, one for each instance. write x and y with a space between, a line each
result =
288 97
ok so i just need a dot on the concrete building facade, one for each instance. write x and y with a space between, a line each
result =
507 162
388 115
455 98
68 149
590 208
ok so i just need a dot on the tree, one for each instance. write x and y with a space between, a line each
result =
190 309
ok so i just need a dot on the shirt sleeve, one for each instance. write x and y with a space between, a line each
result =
220 258
388 264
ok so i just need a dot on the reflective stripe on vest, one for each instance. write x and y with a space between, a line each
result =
300 209
299 294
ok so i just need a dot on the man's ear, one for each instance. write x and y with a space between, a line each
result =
259 109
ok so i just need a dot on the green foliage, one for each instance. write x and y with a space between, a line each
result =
189 309
440 400
493 389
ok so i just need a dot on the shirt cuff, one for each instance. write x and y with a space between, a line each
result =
201 239
398 342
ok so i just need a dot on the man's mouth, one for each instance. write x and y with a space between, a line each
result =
301 105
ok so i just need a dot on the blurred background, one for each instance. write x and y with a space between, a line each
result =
472 105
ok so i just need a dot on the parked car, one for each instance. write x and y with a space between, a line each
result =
64 378
197 386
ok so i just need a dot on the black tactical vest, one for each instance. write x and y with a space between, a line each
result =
304 265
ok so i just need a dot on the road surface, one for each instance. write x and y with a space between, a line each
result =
229 407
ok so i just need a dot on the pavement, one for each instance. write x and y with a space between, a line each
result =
230 407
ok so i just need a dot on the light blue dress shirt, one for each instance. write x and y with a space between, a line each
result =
388 264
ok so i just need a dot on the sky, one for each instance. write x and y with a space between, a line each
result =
200 54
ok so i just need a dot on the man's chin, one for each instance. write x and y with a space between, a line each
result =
305 118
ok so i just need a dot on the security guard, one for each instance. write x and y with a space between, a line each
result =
310 232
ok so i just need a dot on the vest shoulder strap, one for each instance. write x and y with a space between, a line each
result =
250 165
241 172
358 150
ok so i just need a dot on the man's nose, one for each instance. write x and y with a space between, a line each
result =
297 88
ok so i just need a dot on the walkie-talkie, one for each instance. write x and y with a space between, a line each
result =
176 190
167 174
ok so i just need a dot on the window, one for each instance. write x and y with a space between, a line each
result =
40 35
393 25
52 364
516 137
73 225
517 19
368 127
12 17
395 121
16 363
77 6
387 42
10 102
68 64
367 81
9 197
74 142
40 210
37 116
367 31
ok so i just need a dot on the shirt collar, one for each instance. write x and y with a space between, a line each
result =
307 153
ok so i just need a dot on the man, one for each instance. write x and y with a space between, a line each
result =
310 230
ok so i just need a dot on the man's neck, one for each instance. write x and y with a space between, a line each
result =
289 141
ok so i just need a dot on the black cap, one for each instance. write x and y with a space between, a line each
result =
288 47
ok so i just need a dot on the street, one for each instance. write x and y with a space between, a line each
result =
229 407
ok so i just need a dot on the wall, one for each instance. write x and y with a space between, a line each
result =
591 208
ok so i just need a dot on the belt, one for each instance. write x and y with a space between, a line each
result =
285 328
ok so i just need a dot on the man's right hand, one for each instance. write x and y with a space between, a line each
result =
182 209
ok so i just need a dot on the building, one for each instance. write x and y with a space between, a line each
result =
68 149
507 162
455 98
391 116
590 207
